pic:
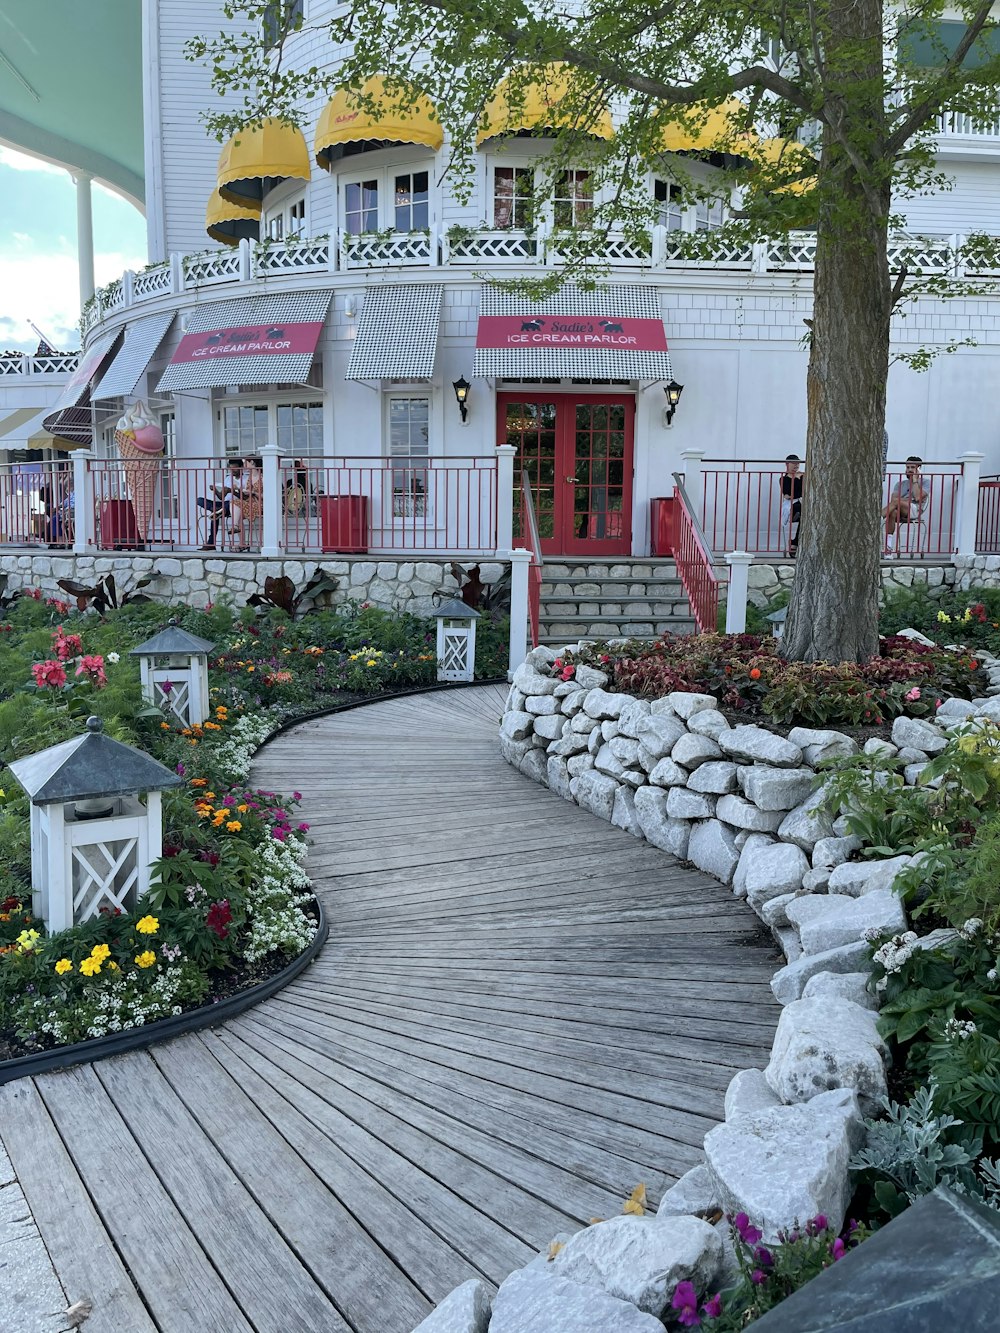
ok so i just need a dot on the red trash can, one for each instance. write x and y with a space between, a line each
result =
343 524
118 526
661 525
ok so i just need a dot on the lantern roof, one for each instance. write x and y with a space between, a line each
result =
453 608
172 640
90 765
778 617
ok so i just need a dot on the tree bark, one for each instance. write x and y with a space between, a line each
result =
833 612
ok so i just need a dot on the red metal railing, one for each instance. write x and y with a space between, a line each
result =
37 503
742 509
988 517
429 505
182 504
529 529
693 558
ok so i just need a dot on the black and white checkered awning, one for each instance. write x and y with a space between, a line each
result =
397 333
142 338
284 312
71 418
608 304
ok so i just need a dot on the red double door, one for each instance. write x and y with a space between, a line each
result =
577 452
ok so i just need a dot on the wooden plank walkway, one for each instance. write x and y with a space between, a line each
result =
521 1014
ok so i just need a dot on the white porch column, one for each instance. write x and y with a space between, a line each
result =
968 504
739 563
505 497
271 458
84 237
83 501
520 563
691 459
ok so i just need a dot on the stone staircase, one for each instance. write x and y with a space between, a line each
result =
614 598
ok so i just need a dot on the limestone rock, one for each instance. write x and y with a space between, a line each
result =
623 814
579 763
774 870
534 765
955 710
692 750
885 749
712 848
600 704
915 733
753 844
670 835
571 742
609 729
558 777
909 755
588 678
858 877
816 880
684 804
641 1259
466 1310
606 761
788 982
596 792
806 824
912 772
824 1043
685 705
572 702
517 726
625 750
817 745
845 986
756 745
773 913
785 1165
541 657
530 682
830 852
776 788
540 1301
665 773
659 733
708 722
584 724
632 716
550 727
748 1093
826 921
693 1193
744 814
716 777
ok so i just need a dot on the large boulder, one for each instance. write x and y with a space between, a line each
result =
623 814
640 1259
466 1310
541 705
844 985
708 722
665 773
570 703
748 1093
659 733
806 825
517 726
529 681
534 765
558 777
956 710
601 704
788 981
571 742
824 1043
632 716
827 920
686 704
915 734
830 852
624 749
693 1193
858 877
758 746
773 871
692 750
550 727
589 679
752 845
776 788
712 848
744 814
714 777
788 1164
658 827
684 804
536 1300
596 792
817 745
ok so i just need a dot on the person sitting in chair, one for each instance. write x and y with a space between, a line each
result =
790 486
248 504
219 504
907 500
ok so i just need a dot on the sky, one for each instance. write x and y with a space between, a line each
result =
38 271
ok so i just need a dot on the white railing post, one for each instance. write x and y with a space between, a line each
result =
968 502
758 257
691 459
739 563
505 497
246 260
271 458
520 564
128 287
659 248
176 274
83 501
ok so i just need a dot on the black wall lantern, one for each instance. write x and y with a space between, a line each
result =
462 387
673 390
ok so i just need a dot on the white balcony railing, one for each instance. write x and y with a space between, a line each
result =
959 124
58 363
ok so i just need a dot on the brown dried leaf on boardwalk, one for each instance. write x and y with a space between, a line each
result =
636 1201
554 1249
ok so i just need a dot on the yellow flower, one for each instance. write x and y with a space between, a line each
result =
369 663
234 826
212 726
27 940
64 965
146 959
113 966
100 952
210 796
243 808
164 726
223 810
943 618
90 967
148 925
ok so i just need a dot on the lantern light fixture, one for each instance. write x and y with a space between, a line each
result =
462 387
173 667
673 391
456 640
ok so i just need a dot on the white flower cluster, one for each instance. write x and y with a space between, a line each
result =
956 1029
119 1005
971 928
247 734
893 954
275 919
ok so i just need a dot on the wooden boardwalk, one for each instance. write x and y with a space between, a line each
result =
521 1014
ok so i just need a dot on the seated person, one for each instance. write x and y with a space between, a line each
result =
296 497
790 486
219 505
248 504
906 501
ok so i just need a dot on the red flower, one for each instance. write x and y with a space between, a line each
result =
973 665
218 919
49 674
755 673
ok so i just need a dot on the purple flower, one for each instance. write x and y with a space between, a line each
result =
838 1249
296 796
748 1234
181 770
818 1224
279 834
713 1307
685 1302
764 1257
758 1276
166 686
303 828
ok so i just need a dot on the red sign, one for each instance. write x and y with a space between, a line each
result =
276 339
514 331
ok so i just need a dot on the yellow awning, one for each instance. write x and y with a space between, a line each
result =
20 416
258 158
719 129
230 223
43 440
538 107
790 156
344 122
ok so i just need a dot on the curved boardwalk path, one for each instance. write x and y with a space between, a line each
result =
520 1014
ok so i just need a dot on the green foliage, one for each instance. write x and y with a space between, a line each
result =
970 617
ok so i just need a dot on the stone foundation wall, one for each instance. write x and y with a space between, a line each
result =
765 581
394 585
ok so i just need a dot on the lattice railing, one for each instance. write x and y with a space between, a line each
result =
795 251
211 267
502 247
113 296
726 254
57 364
367 249
154 282
294 257
924 254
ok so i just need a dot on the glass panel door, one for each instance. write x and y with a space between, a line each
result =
530 426
600 476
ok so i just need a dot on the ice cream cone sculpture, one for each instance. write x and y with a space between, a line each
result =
140 444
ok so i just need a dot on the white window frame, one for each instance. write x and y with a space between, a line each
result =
271 402
384 177
279 222
404 510
544 214
697 213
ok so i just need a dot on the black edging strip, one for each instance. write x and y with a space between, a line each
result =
210 1015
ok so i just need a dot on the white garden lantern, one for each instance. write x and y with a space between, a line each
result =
777 619
173 666
92 838
456 640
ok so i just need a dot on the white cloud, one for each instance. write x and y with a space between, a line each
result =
9 157
45 289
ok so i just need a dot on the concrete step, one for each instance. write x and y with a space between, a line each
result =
612 589
561 630
565 567
632 608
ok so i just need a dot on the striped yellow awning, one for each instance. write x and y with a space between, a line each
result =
230 223
256 159
538 106
716 129
401 115
19 417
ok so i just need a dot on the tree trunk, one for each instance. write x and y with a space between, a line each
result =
833 613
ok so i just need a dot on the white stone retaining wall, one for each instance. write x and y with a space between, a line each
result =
394 585
739 802
765 580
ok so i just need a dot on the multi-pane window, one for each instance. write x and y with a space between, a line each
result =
573 202
409 442
361 206
300 429
710 214
669 196
286 220
168 474
297 428
280 17
297 218
411 201
513 188
245 429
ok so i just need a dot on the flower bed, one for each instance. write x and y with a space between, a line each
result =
231 902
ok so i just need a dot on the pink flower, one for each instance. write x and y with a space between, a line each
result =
685 1302
713 1307
912 696
50 673
748 1234
93 668
758 1277
66 645
279 834
303 828
838 1249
